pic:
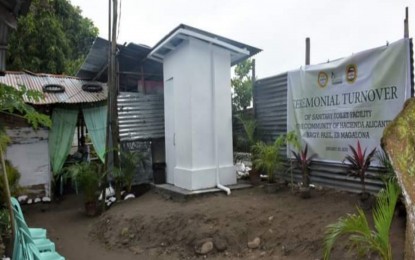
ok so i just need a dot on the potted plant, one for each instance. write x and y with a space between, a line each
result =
268 159
303 163
358 163
88 177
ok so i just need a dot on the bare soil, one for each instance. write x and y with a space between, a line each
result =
152 227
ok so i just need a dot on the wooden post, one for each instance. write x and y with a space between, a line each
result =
114 81
253 86
307 51
406 23
108 134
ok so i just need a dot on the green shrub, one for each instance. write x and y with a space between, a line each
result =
13 176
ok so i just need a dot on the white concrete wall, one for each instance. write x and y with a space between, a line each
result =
190 69
29 153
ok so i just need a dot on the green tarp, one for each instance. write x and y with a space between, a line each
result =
61 136
63 128
96 123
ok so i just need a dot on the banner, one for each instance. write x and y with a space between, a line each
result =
332 105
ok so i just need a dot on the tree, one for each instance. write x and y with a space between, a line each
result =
242 86
52 38
12 101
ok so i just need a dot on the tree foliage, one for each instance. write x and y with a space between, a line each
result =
12 101
242 86
360 235
52 38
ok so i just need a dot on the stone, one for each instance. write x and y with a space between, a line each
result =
398 141
270 218
46 199
206 248
220 244
125 241
29 201
22 198
37 200
129 196
263 253
136 250
124 231
254 243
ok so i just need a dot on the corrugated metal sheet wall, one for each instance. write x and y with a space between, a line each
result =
140 116
270 100
141 120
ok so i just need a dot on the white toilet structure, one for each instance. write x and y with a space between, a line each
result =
198 107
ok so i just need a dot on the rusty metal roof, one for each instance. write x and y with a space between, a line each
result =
73 93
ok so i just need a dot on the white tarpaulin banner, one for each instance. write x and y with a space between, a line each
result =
332 105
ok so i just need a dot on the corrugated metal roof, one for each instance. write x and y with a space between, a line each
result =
73 93
239 51
131 58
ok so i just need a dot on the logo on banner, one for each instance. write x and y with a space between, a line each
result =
351 73
322 79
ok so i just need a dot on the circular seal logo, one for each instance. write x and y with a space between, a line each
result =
351 73
322 79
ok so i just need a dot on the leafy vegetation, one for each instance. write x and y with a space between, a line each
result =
13 176
246 140
303 163
130 160
242 86
88 176
359 162
360 236
52 38
267 157
12 102
5 228
389 172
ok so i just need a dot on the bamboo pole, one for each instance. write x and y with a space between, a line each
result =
8 194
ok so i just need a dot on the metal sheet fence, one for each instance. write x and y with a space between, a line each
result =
141 120
270 101
140 116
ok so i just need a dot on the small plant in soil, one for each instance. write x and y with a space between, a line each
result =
131 162
358 163
268 158
361 237
249 126
88 176
303 162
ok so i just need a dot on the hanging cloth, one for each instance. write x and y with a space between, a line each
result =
61 136
96 122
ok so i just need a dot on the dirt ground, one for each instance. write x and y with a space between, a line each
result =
152 227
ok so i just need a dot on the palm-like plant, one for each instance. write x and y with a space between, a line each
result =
268 157
249 126
303 162
130 160
389 172
88 176
359 162
361 236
